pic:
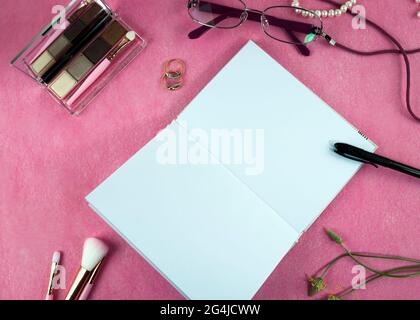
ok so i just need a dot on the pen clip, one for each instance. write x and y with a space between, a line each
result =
355 158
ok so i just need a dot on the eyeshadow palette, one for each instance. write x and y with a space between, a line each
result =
75 57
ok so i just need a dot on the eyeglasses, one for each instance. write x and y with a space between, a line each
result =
281 23
289 24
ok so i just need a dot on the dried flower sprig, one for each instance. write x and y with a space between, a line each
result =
317 283
337 239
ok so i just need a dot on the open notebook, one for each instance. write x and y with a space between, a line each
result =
217 227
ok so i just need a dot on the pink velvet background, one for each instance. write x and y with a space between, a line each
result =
50 161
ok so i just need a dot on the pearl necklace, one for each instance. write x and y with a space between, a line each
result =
325 13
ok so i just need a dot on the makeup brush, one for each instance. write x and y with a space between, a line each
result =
91 281
54 263
94 250
103 66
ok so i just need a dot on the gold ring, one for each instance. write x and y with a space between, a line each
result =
173 77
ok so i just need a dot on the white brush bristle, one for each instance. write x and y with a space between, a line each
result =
131 35
94 250
56 257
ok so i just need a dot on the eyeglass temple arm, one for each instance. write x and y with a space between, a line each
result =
197 33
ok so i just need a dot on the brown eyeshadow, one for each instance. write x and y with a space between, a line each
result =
97 50
59 46
91 14
114 33
74 30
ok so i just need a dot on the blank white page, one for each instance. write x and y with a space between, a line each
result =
301 174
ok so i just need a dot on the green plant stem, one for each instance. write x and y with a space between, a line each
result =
385 274
378 276
330 264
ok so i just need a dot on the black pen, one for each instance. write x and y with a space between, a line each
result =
357 154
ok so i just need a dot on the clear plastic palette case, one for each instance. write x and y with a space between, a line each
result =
75 56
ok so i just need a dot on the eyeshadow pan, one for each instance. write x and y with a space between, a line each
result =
74 30
91 14
63 84
79 67
114 33
44 60
97 50
59 46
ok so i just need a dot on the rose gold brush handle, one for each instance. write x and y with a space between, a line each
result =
91 282
54 265
79 284
85 294
49 295
124 42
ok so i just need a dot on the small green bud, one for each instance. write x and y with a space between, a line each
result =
334 237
